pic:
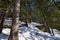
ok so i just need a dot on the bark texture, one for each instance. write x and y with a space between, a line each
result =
15 20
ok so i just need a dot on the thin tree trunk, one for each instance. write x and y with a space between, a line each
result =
3 16
15 25
28 11
44 19
2 22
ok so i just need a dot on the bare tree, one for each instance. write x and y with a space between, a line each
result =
15 20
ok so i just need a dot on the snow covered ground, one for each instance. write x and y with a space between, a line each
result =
30 33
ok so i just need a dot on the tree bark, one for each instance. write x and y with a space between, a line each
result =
15 20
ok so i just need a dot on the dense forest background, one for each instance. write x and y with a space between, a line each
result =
41 11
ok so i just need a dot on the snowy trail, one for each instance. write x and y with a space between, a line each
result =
29 33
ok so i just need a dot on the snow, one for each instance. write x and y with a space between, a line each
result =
3 36
8 22
30 33
6 31
56 32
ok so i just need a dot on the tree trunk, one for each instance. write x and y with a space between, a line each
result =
2 21
15 20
